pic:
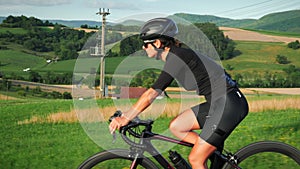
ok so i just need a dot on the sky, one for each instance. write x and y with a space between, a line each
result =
121 9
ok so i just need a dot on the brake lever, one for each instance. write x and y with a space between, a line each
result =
118 113
114 135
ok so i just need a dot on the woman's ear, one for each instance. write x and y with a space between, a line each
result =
158 43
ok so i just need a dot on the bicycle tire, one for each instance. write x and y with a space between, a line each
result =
290 153
116 157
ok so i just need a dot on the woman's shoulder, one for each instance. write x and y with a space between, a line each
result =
181 51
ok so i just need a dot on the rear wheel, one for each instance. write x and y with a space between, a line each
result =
267 154
115 159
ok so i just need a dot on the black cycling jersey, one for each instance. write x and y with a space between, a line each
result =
193 72
226 106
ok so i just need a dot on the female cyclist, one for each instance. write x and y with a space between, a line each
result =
225 105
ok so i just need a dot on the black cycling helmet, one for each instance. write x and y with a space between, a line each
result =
157 28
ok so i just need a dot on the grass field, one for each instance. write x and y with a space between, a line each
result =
13 30
15 61
255 57
287 34
64 144
261 57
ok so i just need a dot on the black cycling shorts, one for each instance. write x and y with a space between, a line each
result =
219 118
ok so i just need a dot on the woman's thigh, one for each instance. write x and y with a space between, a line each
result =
186 121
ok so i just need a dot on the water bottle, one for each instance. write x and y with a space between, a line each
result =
178 161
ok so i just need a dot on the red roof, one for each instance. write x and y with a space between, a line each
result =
131 92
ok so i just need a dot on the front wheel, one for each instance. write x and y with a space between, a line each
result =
267 154
114 159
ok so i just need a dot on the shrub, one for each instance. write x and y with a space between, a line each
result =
294 45
22 93
67 95
282 59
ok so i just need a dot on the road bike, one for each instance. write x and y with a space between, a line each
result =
139 136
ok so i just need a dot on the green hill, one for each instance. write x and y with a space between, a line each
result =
260 57
283 21
12 61
202 18
220 21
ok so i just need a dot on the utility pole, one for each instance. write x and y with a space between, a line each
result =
103 12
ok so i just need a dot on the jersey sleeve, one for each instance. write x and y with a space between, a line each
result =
163 81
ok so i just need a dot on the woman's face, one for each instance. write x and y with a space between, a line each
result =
150 49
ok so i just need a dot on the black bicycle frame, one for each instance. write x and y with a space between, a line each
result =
137 149
149 136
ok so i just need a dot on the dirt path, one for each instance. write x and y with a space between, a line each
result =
244 35
289 91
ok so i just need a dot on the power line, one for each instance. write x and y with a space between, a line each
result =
235 9
280 8
262 8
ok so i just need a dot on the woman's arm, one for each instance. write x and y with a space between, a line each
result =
144 101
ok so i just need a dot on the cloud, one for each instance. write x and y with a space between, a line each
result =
117 4
34 2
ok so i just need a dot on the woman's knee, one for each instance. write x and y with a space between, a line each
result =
200 152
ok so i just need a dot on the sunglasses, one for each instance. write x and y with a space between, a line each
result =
147 42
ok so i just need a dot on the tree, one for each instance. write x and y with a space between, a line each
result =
294 45
130 45
36 45
23 22
224 46
84 26
282 59
144 78
291 69
67 95
64 42
56 95
293 76
35 77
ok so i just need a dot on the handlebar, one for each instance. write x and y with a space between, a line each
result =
129 128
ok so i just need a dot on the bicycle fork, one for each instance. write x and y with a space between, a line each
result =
136 154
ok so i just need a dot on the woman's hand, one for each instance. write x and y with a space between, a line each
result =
117 123
145 100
